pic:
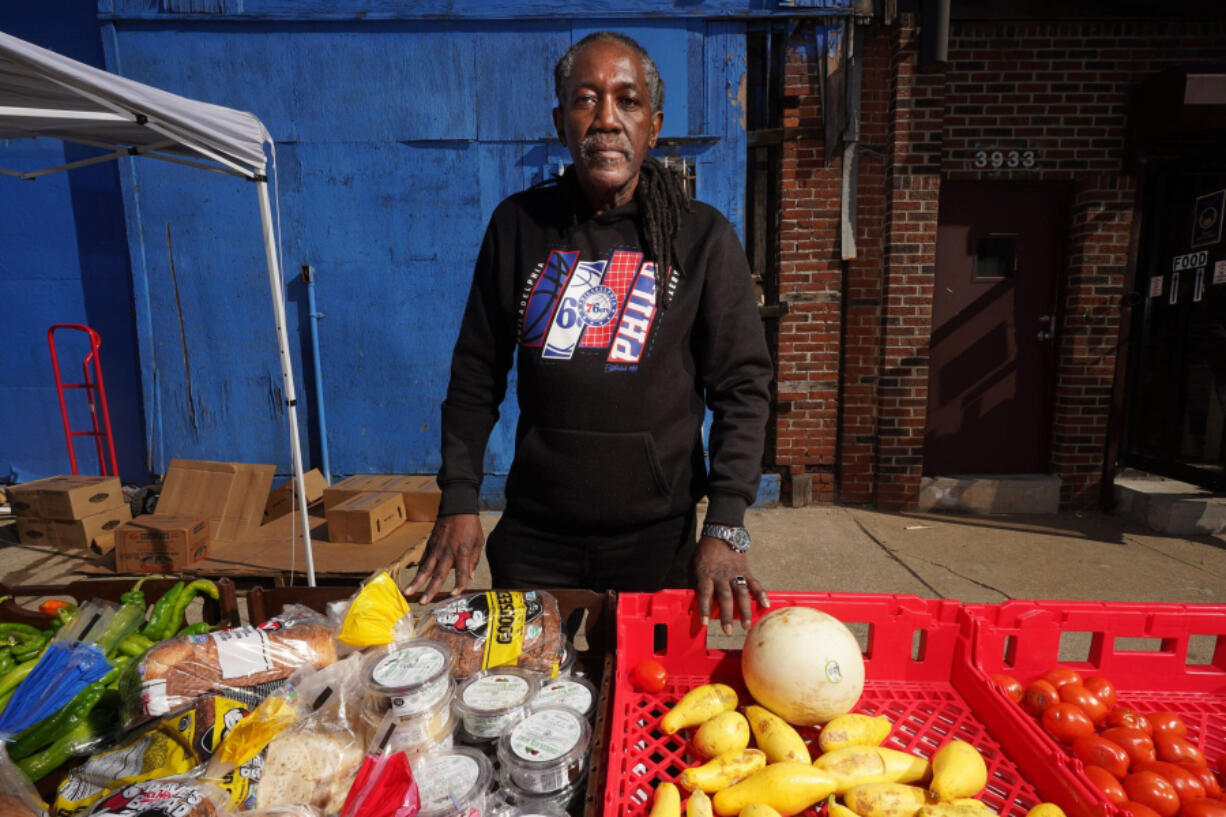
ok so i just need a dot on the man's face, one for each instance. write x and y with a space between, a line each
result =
606 122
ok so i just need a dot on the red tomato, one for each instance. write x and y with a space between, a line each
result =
1010 686
1107 783
1085 700
1207 778
1176 750
1095 750
1187 785
1127 716
1059 676
1066 722
650 676
1151 789
1204 807
1168 723
1137 809
1101 687
1133 741
1038 696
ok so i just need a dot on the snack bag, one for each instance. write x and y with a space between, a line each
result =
245 663
375 613
169 796
172 747
497 628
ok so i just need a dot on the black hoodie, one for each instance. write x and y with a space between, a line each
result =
611 383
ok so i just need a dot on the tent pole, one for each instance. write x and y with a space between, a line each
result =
287 374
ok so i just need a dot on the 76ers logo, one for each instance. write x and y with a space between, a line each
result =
597 306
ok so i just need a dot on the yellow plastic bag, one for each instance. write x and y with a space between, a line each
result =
373 614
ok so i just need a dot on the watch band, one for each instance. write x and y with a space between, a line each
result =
735 537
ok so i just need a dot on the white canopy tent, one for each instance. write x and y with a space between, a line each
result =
45 94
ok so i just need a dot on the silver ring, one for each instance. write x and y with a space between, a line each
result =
740 580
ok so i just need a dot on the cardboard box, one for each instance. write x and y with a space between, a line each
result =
66 497
421 493
281 500
94 533
230 494
157 543
366 518
36 531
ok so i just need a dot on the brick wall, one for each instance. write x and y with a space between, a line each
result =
853 350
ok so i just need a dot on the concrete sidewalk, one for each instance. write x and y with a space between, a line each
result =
972 559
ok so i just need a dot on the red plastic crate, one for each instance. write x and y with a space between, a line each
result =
928 697
1023 639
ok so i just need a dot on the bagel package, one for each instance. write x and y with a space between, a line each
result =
497 628
244 663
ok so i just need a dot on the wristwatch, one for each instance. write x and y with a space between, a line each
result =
736 538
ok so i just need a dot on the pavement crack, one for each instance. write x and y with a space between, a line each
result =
1164 554
975 582
894 556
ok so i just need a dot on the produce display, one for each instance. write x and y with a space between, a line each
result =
353 713
1142 762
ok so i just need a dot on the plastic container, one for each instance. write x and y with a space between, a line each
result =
546 751
1146 650
917 666
528 802
410 678
494 700
419 735
566 665
571 692
455 783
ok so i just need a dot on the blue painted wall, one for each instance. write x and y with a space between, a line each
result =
63 259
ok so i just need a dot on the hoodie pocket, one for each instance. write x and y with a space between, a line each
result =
586 477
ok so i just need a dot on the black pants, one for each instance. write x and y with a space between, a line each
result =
526 554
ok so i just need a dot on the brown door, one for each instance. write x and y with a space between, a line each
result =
993 363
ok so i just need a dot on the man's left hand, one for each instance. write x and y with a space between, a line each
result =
722 573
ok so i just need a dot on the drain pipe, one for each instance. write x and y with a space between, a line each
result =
308 277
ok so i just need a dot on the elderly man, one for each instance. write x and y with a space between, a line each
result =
631 309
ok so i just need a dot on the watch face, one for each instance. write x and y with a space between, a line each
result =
739 539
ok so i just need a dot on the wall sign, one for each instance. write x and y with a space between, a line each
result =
1190 260
1207 226
1219 272
1155 286
997 158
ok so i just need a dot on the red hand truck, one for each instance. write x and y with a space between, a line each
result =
92 384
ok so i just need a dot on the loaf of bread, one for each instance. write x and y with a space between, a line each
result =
178 670
168 797
13 806
315 767
498 628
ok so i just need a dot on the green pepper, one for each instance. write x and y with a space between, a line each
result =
134 644
81 731
117 666
160 614
135 596
204 586
126 621
6 660
18 629
38 735
32 649
16 675
199 628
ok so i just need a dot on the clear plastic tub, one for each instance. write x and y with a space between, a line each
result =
566 665
410 678
573 692
546 751
419 734
552 803
455 783
494 700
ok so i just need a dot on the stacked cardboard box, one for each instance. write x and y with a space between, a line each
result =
421 494
70 512
365 518
281 500
161 543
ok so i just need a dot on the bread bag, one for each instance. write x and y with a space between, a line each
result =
497 628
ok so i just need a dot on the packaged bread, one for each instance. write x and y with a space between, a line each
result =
167 797
497 628
241 663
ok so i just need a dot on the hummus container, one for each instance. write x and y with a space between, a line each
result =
455 783
494 700
566 664
411 678
547 751
421 734
528 802
574 693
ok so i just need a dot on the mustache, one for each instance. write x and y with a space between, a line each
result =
597 142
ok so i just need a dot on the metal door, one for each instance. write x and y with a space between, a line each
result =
994 322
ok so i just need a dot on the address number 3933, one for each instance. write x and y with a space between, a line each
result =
1004 158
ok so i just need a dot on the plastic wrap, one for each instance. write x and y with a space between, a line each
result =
314 761
244 663
498 628
174 746
18 798
170 796
376 614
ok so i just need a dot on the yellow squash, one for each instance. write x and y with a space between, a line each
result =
699 805
758 810
958 770
1046 810
775 736
788 787
887 800
723 771
854 730
726 732
698 706
856 765
667 802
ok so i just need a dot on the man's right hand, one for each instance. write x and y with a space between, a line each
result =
455 543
